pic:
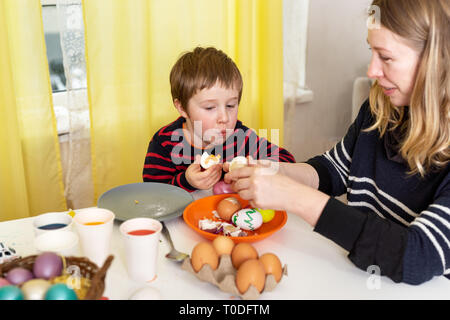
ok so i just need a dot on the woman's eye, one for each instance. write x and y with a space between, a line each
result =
385 58
209 108
231 106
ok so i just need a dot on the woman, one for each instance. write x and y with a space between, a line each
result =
393 163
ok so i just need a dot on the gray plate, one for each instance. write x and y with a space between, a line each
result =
159 201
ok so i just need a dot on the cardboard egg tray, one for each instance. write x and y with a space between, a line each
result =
224 278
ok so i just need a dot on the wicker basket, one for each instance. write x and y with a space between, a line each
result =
88 270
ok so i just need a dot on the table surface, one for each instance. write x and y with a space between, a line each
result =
317 268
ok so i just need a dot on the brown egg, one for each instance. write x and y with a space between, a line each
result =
272 265
227 207
241 252
223 245
251 272
204 253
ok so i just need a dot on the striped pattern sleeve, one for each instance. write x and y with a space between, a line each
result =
159 167
427 252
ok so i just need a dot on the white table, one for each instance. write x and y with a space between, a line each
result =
317 268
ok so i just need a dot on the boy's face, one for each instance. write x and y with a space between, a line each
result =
211 115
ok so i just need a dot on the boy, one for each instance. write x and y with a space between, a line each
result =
206 90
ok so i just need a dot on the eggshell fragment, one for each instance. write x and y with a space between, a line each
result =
241 252
204 253
272 265
251 272
227 207
223 245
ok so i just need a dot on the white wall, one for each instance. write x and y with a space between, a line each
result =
337 53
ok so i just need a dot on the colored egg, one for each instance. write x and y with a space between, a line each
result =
267 214
10 293
4 282
60 291
47 265
35 289
19 275
247 219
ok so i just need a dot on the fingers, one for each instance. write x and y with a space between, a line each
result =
237 174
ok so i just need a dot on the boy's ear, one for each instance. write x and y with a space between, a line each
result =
180 109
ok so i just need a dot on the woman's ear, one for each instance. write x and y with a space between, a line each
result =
180 108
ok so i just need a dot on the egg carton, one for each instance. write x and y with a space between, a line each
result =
225 275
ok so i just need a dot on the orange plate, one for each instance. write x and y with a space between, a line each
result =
203 209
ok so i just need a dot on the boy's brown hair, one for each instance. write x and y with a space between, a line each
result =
203 68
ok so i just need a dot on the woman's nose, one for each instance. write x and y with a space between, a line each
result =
375 70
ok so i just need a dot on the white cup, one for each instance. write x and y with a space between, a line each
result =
95 239
62 242
48 221
141 251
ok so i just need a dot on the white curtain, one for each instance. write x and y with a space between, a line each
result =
75 146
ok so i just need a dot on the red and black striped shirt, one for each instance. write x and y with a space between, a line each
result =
170 153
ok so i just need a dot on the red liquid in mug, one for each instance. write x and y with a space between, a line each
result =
141 232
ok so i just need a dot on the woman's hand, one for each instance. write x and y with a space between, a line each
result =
266 188
262 185
203 179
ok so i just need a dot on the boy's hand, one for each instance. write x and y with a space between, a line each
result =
203 179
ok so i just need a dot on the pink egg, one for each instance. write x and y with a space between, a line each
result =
4 282
221 187
47 265
19 275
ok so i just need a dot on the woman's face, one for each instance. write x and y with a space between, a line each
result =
393 64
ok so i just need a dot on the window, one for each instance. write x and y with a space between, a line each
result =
64 39
295 27
53 43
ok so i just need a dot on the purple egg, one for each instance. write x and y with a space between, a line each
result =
4 282
19 275
47 265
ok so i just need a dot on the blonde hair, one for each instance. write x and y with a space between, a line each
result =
426 129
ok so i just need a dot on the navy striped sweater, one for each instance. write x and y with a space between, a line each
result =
170 153
398 222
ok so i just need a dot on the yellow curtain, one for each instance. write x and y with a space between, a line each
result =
130 49
30 167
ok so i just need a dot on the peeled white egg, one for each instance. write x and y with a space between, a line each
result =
238 162
208 160
247 219
146 293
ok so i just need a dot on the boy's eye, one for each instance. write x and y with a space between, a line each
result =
231 106
209 108
385 58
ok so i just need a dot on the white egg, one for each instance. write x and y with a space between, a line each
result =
208 160
238 162
247 219
146 293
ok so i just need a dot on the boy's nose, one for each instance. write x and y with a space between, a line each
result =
222 116
375 70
